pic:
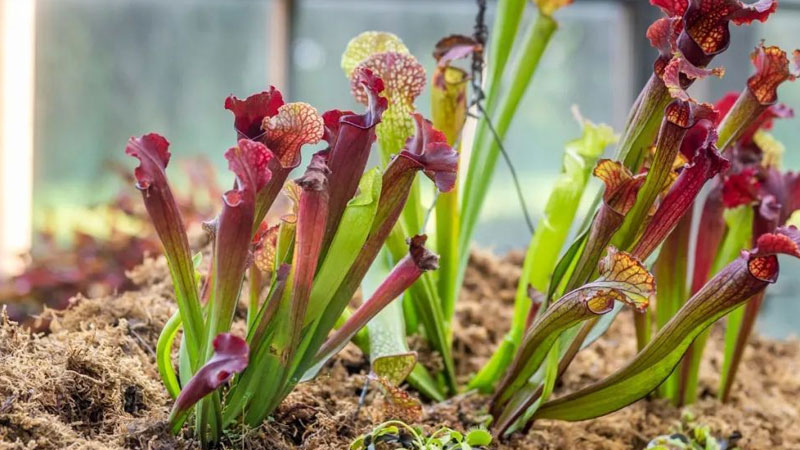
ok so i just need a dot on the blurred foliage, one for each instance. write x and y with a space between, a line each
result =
87 250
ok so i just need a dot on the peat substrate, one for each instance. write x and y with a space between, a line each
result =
91 381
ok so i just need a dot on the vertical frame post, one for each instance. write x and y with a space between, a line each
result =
17 59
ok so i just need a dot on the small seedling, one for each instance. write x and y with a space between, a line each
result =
396 435
691 435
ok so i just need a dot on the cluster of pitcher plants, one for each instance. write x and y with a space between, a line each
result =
680 165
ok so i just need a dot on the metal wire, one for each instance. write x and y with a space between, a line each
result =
480 34
430 211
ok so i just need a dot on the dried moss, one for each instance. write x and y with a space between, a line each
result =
92 382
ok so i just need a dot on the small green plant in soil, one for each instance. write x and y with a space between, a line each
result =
691 435
395 434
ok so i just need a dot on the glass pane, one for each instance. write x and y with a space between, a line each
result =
108 70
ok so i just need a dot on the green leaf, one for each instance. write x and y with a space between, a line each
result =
164 354
347 242
732 326
421 380
426 302
358 444
552 230
738 236
486 149
197 259
749 274
447 247
388 350
622 278
567 263
285 244
671 273
478 437
536 384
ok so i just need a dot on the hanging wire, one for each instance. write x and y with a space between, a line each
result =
480 35
362 398
430 211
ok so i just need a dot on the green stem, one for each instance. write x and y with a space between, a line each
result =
737 333
447 229
164 354
486 148
255 280
643 123
742 114
644 330
671 272
737 237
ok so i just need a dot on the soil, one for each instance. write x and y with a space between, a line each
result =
91 382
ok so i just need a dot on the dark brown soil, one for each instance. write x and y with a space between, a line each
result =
92 382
